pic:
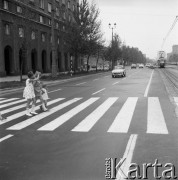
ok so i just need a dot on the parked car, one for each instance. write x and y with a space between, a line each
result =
141 66
118 71
133 66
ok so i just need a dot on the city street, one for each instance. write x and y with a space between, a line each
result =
89 120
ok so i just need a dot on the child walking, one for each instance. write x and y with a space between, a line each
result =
45 94
29 94
38 90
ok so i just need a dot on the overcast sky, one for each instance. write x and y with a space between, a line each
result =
141 23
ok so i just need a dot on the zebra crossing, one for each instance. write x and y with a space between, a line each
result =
14 108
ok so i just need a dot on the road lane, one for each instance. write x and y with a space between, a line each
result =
36 154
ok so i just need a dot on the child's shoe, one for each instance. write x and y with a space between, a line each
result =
28 113
33 110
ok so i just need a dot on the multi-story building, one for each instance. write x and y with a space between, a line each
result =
25 35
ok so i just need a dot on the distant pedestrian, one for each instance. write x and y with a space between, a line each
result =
38 90
29 94
1 117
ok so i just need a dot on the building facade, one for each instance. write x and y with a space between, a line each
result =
25 35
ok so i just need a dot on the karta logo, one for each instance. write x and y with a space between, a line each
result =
116 170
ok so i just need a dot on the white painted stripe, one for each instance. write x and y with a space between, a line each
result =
148 86
22 113
90 120
155 119
2 98
13 109
95 79
6 137
116 83
7 100
123 119
176 100
80 83
54 90
98 91
12 103
128 154
38 117
68 115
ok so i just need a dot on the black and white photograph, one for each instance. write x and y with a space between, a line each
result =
88 89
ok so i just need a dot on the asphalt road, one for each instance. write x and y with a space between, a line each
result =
89 120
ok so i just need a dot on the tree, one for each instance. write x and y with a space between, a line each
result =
84 32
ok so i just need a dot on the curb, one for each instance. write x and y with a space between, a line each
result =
9 90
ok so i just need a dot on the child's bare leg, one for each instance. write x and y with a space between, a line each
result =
33 106
43 104
27 107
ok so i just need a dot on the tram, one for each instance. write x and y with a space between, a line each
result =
161 59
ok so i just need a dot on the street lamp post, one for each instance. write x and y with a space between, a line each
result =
112 27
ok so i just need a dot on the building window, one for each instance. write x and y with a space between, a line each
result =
63 28
49 7
57 25
68 4
33 35
43 38
63 1
6 5
19 9
73 7
50 38
49 22
41 4
57 11
21 32
69 18
41 19
7 29
64 15
58 41
57 0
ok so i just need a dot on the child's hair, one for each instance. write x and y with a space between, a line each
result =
36 74
44 86
30 74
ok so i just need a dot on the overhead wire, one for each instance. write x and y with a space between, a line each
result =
174 23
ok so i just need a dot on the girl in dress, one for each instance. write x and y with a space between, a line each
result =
29 93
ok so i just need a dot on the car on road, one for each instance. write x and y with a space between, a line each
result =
147 64
133 66
141 66
118 71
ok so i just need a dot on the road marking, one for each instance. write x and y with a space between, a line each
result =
38 117
176 100
155 120
22 113
95 79
7 100
90 120
128 154
106 76
54 90
98 91
12 103
116 83
6 137
80 83
2 98
123 119
148 86
68 115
